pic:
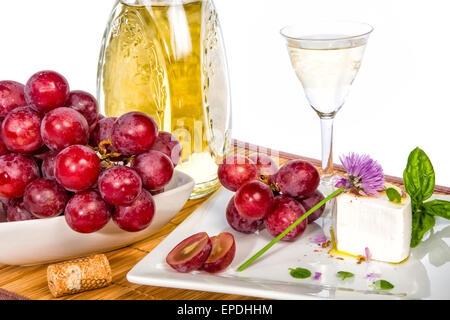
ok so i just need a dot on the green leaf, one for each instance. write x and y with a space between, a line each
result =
421 223
300 273
419 177
344 275
439 208
383 285
419 180
393 195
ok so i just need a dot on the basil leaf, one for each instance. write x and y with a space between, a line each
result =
300 273
383 285
393 195
344 275
419 177
421 223
439 208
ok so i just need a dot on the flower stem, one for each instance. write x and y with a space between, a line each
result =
285 232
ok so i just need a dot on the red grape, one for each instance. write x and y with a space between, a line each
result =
119 185
222 253
102 132
311 201
87 212
48 165
16 172
136 216
77 168
3 214
40 154
84 103
156 192
168 144
155 169
235 171
47 90
134 133
191 253
298 178
3 207
21 130
63 127
238 222
16 211
266 165
94 124
45 198
3 149
11 96
5 201
284 213
254 200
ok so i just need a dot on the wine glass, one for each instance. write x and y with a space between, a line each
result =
326 57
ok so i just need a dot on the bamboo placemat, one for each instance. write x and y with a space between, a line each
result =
31 282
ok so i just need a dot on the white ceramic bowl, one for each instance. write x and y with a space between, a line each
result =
49 240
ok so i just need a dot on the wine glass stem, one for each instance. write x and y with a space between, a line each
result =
327 148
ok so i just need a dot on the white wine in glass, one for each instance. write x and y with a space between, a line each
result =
326 58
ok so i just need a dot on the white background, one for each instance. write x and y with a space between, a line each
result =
399 100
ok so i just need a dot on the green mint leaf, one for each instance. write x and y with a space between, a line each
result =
439 208
383 285
421 223
419 177
393 195
344 275
300 273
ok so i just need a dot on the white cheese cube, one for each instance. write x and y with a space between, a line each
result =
382 226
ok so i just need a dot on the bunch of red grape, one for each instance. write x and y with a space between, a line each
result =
270 197
58 155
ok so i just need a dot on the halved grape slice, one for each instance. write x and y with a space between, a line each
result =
191 253
222 253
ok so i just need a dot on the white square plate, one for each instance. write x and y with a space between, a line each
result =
425 275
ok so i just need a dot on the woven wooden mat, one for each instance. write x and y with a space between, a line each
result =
31 282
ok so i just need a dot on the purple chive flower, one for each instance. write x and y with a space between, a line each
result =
364 175
317 275
373 276
319 238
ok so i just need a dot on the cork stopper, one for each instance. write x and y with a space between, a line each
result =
79 275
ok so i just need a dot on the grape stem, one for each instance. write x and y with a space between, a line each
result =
285 232
104 152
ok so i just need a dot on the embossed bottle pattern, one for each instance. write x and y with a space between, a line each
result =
166 58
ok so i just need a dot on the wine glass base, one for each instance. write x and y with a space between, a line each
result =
327 184
326 179
327 187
